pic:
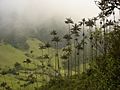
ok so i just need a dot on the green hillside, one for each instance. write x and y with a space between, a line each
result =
9 55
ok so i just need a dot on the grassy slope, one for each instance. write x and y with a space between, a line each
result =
9 55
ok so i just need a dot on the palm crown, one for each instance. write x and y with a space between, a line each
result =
69 20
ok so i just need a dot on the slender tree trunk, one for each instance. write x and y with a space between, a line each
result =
119 14
70 60
96 41
68 68
71 64
42 64
78 62
49 61
55 60
64 70
69 29
91 42
104 33
58 59
83 49
75 55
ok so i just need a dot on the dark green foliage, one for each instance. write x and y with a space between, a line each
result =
103 75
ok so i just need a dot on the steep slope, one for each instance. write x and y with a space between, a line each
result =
9 55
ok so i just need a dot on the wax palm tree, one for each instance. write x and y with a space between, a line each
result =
47 45
26 62
103 7
82 23
108 6
56 39
102 18
114 18
46 57
78 47
69 21
42 47
75 32
54 34
90 24
104 36
94 20
110 23
68 38
65 58
98 35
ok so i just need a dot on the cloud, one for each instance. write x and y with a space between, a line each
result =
16 13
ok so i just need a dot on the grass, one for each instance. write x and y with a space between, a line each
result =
9 55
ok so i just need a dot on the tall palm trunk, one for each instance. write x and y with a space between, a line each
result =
49 60
96 41
104 36
91 42
42 60
78 55
69 21
69 29
75 55
58 62
70 60
42 64
84 66
68 67
55 60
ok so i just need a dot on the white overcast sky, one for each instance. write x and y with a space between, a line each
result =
43 9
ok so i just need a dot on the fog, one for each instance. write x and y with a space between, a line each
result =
36 12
